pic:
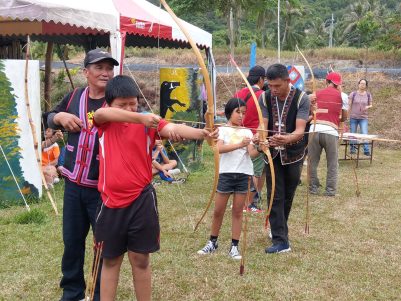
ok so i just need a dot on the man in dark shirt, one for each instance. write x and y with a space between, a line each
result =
286 112
81 168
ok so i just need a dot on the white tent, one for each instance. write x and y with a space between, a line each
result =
96 23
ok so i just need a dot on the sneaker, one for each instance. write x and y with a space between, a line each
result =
234 253
174 171
367 154
209 248
278 248
178 181
252 208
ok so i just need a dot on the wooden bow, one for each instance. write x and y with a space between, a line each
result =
308 169
209 116
263 137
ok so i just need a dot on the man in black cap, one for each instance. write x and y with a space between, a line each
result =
256 79
81 168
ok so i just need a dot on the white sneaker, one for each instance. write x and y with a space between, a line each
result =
174 171
209 248
234 253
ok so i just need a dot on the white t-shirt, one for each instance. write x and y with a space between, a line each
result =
236 161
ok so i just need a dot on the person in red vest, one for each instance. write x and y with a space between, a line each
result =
331 110
256 79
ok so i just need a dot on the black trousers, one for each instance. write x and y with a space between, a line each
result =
79 213
287 180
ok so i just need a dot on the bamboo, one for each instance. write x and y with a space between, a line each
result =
33 129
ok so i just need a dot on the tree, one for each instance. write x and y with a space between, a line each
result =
367 27
9 135
291 33
356 16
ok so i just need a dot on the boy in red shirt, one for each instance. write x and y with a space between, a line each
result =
128 218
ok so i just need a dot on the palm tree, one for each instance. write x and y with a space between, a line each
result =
356 12
291 33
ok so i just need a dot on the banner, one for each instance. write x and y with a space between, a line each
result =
15 132
297 76
181 98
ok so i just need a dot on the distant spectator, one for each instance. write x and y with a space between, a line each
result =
50 154
60 162
359 102
333 110
161 164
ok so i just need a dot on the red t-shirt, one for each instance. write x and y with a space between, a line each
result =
125 151
251 119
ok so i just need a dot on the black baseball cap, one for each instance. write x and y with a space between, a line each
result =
257 71
98 55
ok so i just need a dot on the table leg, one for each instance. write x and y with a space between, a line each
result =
371 152
357 155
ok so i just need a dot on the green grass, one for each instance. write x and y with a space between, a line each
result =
351 253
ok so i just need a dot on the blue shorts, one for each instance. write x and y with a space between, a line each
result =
233 183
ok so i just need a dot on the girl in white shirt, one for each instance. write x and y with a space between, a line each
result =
236 171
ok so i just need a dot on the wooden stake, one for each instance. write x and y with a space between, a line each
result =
33 129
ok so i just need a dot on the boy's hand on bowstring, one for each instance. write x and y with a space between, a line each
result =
151 120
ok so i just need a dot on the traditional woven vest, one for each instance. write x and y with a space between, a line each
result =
81 163
295 151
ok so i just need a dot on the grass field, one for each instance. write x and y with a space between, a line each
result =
351 253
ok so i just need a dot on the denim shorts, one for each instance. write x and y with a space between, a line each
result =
233 183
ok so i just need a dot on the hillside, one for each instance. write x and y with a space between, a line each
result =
386 90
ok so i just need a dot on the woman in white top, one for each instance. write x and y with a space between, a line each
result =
236 171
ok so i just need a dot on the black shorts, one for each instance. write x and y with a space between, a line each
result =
233 183
134 228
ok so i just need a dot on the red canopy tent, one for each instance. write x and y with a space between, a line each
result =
144 24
